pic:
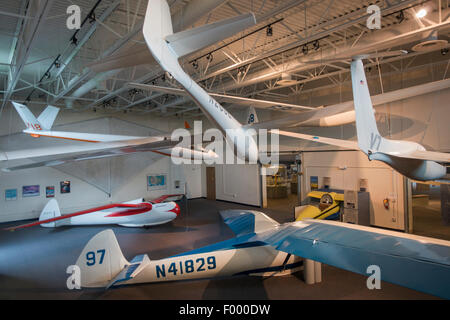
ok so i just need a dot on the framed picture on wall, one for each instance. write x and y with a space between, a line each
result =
314 182
65 186
50 192
10 194
156 182
31 191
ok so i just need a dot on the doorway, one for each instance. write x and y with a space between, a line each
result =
211 183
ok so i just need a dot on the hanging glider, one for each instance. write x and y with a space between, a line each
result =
263 247
409 158
97 145
135 213
167 47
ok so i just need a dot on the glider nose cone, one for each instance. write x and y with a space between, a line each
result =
176 209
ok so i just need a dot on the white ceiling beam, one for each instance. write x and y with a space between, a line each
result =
38 9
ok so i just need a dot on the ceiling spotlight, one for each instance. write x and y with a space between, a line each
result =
316 45
209 57
195 64
269 31
444 51
400 17
305 49
421 13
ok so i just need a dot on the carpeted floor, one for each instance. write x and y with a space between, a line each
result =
33 263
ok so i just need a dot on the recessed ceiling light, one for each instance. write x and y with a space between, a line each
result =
421 13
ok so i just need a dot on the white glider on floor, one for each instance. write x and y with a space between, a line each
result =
263 247
409 158
135 213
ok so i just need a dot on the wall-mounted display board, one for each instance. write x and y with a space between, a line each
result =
65 186
156 182
10 194
50 192
31 191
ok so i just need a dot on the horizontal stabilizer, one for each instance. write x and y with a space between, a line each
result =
163 198
130 271
415 262
423 155
186 42
247 221
47 117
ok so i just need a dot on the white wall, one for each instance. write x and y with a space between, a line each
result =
346 168
238 183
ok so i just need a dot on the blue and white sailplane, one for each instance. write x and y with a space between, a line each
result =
263 247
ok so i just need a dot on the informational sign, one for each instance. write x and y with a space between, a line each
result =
30 191
10 194
50 192
314 182
65 186
156 182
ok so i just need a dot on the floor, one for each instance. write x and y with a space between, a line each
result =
33 263
427 220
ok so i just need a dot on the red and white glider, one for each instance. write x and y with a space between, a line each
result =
136 213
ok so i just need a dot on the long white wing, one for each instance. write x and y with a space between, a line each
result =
86 151
415 262
257 103
334 142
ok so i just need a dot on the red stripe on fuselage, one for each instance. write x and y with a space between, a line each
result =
147 207
141 206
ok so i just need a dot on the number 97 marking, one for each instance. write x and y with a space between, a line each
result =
90 257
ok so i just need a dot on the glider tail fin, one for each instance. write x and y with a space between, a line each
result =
252 117
43 122
47 117
101 260
27 116
369 139
50 211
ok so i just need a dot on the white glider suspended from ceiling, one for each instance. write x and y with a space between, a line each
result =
186 42
408 158
97 146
